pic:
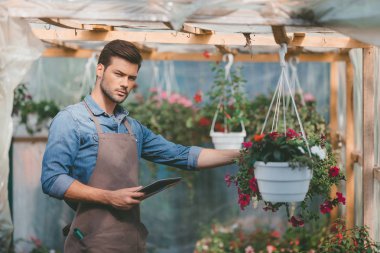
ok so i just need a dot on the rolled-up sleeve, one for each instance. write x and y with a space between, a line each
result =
61 150
156 148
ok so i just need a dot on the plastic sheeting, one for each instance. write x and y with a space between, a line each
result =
18 49
358 19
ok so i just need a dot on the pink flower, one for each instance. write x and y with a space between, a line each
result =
334 171
247 144
164 95
326 207
228 179
297 221
291 134
341 198
37 242
244 200
249 249
308 97
270 248
253 185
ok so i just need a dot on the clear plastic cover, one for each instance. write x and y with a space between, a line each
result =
18 49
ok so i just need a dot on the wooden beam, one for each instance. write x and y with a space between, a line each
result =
350 146
61 52
195 30
368 100
187 38
60 44
167 56
280 35
31 139
226 50
376 172
68 24
357 157
334 82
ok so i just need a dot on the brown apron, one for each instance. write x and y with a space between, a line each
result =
104 228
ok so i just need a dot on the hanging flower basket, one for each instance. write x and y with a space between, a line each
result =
279 182
227 140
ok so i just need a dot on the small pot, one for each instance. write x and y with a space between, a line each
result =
231 140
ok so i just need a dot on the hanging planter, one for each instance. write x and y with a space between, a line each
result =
279 182
284 165
227 93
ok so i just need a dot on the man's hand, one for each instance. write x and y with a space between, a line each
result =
126 198
123 199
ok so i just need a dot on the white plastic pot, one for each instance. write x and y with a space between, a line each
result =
278 182
227 140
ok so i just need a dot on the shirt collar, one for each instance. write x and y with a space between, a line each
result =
120 112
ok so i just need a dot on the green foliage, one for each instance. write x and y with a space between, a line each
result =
342 240
223 239
25 107
229 95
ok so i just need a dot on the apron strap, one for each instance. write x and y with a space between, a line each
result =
128 126
95 119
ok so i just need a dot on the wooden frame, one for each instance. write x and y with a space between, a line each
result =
71 31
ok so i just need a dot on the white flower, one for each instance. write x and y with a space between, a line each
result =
317 150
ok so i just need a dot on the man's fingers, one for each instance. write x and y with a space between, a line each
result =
133 189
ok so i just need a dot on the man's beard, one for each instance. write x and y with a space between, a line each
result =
109 95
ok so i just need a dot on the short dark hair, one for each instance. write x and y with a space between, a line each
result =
120 48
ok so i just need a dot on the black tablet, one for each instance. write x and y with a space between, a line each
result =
158 186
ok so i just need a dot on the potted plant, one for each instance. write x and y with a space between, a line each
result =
278 168
341 239
227 96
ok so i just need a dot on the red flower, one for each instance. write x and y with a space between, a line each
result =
206 54
247 144
326 207
258 137
204 121
334 171
339 236
291 134
275 234
274 135
244 200
219 127
253 185
228 179
297 221
340 198
198 97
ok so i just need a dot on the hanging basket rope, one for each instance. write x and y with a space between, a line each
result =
278 100
227 75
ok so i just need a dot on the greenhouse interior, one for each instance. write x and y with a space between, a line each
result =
258 120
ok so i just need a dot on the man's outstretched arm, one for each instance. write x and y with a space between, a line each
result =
209 158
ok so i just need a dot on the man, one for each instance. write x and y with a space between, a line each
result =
92 155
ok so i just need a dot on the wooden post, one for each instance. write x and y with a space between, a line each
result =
368 138
350 145
334 120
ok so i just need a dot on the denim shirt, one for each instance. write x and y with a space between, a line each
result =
72 146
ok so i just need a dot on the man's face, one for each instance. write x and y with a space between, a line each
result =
118 79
